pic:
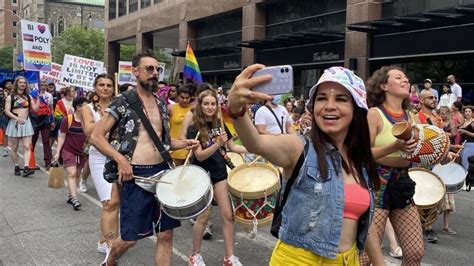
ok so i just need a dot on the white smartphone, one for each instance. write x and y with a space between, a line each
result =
281 82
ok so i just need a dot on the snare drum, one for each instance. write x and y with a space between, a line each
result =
453 176
253 193
429 193
188 195
236 158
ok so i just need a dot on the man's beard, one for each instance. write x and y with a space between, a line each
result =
150 84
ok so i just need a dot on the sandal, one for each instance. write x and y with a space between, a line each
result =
449 231
397 253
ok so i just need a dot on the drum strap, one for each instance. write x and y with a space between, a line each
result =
136 105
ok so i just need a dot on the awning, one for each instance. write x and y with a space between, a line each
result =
425 20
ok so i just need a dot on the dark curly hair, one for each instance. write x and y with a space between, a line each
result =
375 94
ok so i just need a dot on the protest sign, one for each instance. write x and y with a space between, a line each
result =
54 75
125 74
81 72
31 76
36 43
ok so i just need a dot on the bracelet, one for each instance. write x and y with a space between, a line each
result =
241 113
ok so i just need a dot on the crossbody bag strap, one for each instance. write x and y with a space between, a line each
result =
295 173
136 105
276 118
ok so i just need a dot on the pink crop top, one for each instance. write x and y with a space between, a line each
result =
357 201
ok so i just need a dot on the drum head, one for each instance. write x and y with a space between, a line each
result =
186 188
429 188
253 181
451 173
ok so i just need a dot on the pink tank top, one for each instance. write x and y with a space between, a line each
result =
356 201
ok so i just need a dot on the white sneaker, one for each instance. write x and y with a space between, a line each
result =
232 261
82 186
196 260
5 152
102 248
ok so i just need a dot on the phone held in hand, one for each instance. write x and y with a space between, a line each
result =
281 82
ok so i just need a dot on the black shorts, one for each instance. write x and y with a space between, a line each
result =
140 212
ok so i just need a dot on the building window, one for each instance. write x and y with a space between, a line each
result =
14 2
157 1
14 12
14 23
145 3
132 6
122 7
61 25
14 35
112 9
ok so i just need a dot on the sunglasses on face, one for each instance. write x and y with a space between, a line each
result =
151 69
430 97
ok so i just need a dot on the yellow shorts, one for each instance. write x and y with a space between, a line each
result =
285 254
179 154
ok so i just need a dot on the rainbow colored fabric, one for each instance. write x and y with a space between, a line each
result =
191 69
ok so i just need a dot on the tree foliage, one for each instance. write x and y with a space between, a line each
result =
127 51
6 57
88 43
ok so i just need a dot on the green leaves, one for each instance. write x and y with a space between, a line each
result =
6 57
87 43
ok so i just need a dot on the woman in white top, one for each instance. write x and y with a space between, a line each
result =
108 192
448 98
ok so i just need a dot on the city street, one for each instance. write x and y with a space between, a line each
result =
37 227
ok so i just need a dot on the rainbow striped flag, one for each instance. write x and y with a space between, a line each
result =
191 68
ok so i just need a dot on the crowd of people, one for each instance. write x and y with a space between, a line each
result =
335 150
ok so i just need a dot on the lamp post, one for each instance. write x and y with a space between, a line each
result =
18 33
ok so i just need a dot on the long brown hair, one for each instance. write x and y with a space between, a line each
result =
357 141
198 117
15 87
375 94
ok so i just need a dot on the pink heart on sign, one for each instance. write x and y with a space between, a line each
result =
41 28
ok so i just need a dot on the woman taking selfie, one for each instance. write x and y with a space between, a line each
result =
329 209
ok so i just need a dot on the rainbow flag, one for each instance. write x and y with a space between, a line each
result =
191 69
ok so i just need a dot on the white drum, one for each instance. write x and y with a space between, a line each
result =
188 195
429 194
453 175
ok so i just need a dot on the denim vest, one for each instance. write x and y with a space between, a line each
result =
313 214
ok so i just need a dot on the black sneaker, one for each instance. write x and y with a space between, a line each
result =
430 236
17 170
27 171
75 203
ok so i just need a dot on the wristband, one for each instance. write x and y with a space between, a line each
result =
241 113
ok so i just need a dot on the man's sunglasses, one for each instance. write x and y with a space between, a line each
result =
151 69
430 97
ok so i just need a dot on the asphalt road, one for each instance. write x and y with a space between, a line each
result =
37 227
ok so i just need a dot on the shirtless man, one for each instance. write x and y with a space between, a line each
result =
140 214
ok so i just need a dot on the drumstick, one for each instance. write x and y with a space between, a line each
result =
190 151
144 179
187 158
255 160
459 151
219 109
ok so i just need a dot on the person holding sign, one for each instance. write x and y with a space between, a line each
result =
17 108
